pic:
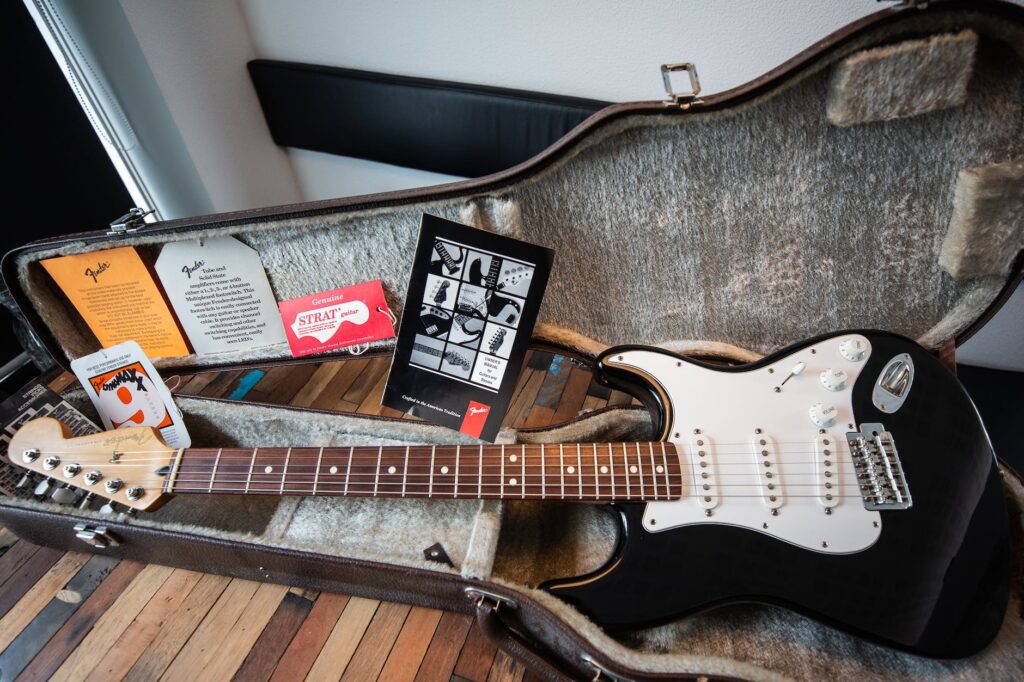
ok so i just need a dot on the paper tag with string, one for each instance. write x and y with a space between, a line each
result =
126 390
349 317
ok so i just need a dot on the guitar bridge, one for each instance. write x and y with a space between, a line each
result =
879 472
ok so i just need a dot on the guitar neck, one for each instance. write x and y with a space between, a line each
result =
590 472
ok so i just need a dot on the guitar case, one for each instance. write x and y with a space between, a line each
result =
874 181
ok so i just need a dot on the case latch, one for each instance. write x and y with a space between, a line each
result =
98 537
132 221
683 100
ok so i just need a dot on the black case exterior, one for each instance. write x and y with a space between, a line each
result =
515 622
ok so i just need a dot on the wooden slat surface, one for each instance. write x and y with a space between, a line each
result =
124 620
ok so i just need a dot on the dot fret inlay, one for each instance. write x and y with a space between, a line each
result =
333 470
268 470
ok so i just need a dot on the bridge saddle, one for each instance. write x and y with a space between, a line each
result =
879 472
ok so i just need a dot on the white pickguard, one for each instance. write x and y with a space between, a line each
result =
723 409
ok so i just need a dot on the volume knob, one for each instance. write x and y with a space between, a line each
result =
823 415
834 379
853 349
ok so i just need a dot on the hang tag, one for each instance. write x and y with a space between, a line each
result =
336 319
126 390
220 292
118 299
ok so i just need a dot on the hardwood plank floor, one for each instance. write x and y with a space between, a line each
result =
68 616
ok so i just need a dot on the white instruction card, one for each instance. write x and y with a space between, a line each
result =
220 293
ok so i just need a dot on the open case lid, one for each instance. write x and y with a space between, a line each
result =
874 181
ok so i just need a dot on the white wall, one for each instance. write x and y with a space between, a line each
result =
601 49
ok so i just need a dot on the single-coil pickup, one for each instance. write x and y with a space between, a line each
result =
766 462
705 473
826 469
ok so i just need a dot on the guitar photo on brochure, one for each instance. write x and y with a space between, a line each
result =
472 300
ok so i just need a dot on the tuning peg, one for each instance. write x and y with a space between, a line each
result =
64 495
86 501
43 488
27 479
110 508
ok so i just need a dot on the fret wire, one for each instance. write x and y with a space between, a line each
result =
654 471
611 467
664 460
458 449
348 469
543 481
252 465
597 482
213 474
405 470
376 478
480 471
561 467
522 457
316 474
640 468
579 472
430 490
503 470
625 465
284 471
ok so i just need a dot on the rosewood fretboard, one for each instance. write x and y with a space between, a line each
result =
586 472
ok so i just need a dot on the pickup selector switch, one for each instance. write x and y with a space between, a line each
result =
853 349
834 379
823 415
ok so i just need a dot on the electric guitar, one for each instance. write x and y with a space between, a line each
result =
847 477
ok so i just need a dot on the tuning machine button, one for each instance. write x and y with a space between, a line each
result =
42 488
853 349
834 379
823 415
65 495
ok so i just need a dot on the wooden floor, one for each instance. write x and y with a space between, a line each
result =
82 616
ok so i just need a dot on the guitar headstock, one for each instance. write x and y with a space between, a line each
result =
127 466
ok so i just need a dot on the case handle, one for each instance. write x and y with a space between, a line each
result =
505 638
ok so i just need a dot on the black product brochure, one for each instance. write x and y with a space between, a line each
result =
471 304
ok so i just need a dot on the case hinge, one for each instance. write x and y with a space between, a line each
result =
479 596
683 100
98 537
132 221
600 672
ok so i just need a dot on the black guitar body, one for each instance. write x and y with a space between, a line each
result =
935 582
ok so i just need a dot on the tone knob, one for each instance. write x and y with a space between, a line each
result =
834 379
853 349
823 415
